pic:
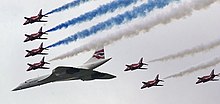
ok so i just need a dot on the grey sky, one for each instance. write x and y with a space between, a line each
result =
199 28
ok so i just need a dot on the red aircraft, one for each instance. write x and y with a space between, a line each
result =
207 78
35 36
38 65
35 18
136 66
152 83
34 52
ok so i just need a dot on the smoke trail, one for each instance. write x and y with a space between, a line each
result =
159 16
119 19
103 9
187 52
67 6
192 69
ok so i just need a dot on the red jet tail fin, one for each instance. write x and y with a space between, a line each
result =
42 59
157 77
141 60
40 13
40 30
212 73
41 46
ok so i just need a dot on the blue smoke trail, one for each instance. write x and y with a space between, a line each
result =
67 6
141 10
103 9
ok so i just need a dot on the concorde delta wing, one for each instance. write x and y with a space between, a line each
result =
97 75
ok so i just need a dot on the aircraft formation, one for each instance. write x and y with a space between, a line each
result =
34 36
62 73
84 72
155 82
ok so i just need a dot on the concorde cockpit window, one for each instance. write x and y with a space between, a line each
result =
30 80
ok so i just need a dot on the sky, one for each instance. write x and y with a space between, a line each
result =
201 27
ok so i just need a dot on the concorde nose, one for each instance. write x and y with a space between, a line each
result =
17 88
109 76
112 76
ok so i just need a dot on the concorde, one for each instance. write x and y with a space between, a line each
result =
63 73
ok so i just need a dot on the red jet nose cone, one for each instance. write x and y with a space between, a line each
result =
25 23
29 69
126 69
27 55
142 87
25 40
198 82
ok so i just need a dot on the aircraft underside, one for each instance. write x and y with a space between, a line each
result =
65 74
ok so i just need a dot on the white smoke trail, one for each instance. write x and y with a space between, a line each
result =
192 51
156 17
192 69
